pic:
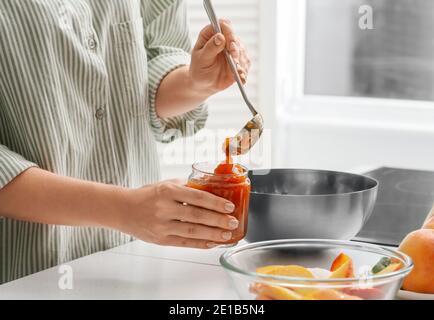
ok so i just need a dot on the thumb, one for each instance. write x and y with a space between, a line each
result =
213 48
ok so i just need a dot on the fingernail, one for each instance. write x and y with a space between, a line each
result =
233 224
227 235
233 46
218 40
243 77
212 245
229 207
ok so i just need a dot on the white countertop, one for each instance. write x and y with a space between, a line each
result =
134 271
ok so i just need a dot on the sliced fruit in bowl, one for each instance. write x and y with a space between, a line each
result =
287 271
342 268
261 268
270 292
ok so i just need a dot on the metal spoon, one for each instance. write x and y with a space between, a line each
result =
252 131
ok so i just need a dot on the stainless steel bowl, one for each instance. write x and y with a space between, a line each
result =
304 204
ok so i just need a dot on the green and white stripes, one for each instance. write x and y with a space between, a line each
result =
78 80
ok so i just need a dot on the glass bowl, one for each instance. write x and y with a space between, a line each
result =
242 262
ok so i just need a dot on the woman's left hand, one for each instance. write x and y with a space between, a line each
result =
209 71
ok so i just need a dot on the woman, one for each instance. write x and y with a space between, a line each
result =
86 87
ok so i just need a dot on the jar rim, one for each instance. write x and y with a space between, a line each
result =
197 167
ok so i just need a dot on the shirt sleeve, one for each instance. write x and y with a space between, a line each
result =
168 46
11 165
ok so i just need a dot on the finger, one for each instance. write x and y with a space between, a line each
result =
204 36
213 48
233 43
242 72
245 59
228 32
204 217
231 38
234 50
202 199
175 241
198 232
243 78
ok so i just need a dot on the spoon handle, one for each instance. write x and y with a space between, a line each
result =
209 8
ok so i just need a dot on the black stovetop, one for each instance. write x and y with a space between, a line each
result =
405 197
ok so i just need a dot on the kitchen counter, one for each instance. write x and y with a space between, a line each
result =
133 271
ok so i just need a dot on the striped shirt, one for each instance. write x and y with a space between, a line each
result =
78 83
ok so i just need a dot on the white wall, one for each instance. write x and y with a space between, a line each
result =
348 146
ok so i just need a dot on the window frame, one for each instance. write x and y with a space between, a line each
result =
295 105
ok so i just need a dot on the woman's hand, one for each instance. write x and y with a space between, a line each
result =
187 87
209 70
159 214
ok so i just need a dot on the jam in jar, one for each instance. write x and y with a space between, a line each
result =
229 181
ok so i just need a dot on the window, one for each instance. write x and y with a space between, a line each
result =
394 60
352 97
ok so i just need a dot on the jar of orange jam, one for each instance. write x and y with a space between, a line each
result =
228 181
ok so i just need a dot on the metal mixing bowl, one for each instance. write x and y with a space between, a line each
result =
303 204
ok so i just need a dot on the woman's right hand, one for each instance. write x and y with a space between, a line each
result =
171 214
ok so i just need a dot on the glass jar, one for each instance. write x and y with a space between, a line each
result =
234 187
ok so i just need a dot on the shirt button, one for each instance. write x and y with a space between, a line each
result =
100 113
91 43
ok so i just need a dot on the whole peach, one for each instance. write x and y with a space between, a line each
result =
419 245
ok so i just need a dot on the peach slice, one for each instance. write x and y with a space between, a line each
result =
320 273
286 271
255 288
263 297
339 261
267 292
342 267
278 293
289 271
365 293
330 294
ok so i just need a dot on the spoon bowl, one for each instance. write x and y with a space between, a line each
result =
247 137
